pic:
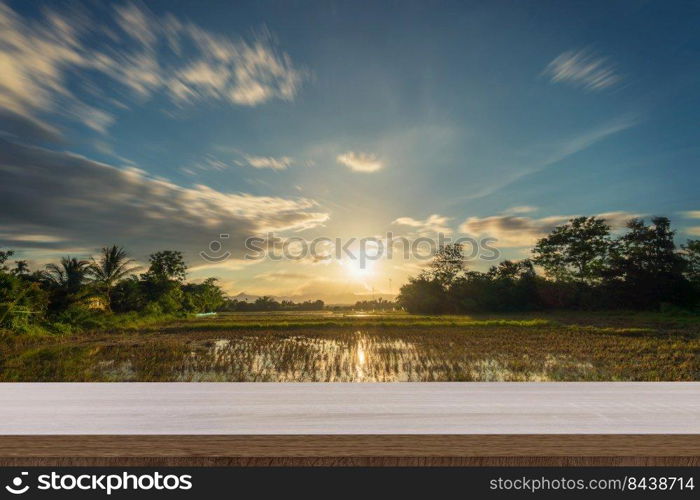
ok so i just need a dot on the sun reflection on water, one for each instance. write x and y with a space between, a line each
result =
360 357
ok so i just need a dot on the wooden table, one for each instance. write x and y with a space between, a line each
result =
350 424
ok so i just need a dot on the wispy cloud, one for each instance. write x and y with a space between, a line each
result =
587 139
434 223
55 195
583 69
550 155
279 163
141 52
18 126
243 159
208 163
692 214
284 275
513 231
521 209
360 162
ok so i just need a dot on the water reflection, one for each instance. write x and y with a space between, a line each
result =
360 362
358 357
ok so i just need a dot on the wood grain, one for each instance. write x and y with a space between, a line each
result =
448 424
352 450
399 408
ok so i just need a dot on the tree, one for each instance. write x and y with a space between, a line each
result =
65 281
162 283
379 304
577 251
69 275
129 295
645 266
508 286
266 303
269 304
428 292
21 301
21 268
423 295
112 267
203 297
447 265
648 248
691 253
510 270
167 265
4 256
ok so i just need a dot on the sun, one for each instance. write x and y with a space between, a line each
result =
357 270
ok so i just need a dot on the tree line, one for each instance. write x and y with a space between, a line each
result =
84 293
379 304
78 291
579 265
267 303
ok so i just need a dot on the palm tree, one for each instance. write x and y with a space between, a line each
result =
112 267
69 275
21 268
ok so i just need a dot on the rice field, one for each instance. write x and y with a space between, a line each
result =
366 347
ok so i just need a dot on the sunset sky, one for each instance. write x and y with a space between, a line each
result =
162 127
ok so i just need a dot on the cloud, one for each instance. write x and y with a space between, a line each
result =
136 22
434 223
284 275
208 163
90 116
30 238
243 73
360 162
521 209
516 231
582 69
75 201
545 157
332 291
692 214
511 230
584 141
256 161
26 128
141 52
271 162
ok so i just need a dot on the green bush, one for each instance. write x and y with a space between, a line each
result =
22 302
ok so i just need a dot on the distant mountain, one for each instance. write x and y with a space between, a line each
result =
338 299
245 297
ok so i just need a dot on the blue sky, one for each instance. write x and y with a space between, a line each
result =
341 119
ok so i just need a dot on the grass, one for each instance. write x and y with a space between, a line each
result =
356 347
234 322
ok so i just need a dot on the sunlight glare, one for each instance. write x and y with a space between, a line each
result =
354 269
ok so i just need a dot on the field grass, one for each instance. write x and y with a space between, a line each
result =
365 347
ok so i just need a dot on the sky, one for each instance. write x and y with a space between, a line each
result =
164 125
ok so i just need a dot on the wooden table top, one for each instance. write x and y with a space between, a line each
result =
350 424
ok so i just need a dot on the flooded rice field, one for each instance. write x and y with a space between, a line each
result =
342 353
